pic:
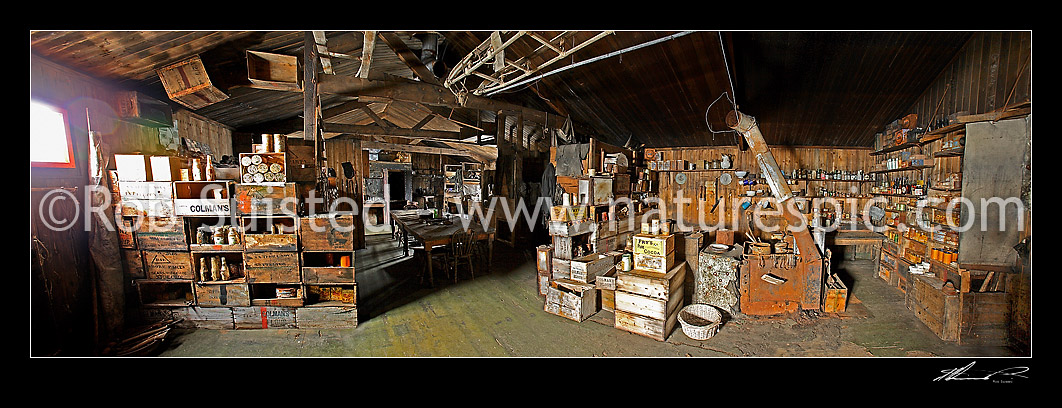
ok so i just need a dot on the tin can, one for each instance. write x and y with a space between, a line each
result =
267 142
280 142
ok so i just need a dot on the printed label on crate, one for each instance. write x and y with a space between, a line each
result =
192 207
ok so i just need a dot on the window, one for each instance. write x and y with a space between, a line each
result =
50 144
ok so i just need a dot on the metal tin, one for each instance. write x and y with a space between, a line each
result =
279 143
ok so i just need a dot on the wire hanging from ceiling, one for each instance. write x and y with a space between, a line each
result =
733 102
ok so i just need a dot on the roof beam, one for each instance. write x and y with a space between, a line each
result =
409 58
322 51
367 144
369 38
427 94
370 130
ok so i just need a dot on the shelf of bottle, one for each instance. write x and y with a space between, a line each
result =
898 195
908 168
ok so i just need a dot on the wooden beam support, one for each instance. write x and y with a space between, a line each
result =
369 38
370 130
426 94
322 51
309 98
409 58
376 118
365 145
427 118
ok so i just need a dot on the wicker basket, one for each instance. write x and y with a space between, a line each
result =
701 312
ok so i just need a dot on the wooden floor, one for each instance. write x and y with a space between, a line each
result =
500 314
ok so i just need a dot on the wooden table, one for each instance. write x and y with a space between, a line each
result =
432 235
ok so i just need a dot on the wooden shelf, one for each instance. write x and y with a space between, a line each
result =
909 168
898 195
895 148
945 189
842 181
948 153
693 171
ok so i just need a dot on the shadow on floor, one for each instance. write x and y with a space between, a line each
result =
388 279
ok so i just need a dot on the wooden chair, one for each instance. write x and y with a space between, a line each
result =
462 244
440 254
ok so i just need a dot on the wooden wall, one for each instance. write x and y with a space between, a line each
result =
990 69
65 308
788 158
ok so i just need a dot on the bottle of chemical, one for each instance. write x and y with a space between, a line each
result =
234 237
211 173
215 268
224 270
219 235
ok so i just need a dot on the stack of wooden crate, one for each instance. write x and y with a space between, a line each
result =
648 297
219 254
573 264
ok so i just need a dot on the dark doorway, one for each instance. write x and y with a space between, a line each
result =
396 188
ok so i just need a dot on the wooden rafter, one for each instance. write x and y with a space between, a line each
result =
370 130
409 58
322 51
366 53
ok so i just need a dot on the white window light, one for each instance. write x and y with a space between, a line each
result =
50 144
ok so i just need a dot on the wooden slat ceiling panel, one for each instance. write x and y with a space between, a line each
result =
804 88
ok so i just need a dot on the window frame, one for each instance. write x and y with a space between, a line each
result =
69 140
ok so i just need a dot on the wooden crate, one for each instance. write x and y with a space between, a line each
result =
607 280
562 268
569 213
645 326
187 83
569 247
158 293
570 299
202 198
146 208
260 199
327 233
216 318
937 310
274 71
263 168
258 235
658 264
133 263
146 190
161 234
271 267
544 259
654 245
332 295
587 268
264 317
325 267
606 244
265 294
300 163
652 284
651 307
543 283
983 318
608 299
222 294
835 300
144 110
168 265
571 228
330 317
595 190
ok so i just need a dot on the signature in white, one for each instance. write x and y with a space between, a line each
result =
964 374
